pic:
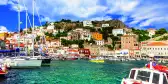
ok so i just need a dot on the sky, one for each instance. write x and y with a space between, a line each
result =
141 14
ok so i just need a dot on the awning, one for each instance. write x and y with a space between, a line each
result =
9 51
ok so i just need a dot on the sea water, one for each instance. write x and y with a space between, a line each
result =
72 72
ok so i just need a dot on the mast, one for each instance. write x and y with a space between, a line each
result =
19 25
26 33
33 27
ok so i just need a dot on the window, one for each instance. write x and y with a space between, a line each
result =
164 80
143 75
132 74
155 78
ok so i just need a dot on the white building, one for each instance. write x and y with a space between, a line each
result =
99 42
158 48
107 53
115 32
50 28
86 35
87 24
105 25
151 32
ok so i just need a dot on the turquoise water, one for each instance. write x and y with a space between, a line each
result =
72 72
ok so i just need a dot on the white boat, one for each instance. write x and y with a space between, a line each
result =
22 63
147 76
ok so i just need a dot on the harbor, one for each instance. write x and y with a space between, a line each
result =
72 72
83 42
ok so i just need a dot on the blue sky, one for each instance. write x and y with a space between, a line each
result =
140 14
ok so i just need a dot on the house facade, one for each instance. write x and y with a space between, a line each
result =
115 32
157 48
87 24
151 32
129 41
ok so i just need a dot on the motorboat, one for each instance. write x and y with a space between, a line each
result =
22 62
3 70
97 60
151 74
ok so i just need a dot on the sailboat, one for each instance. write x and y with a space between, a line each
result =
45 59
23 62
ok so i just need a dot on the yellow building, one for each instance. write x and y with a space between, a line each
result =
3 36
97 36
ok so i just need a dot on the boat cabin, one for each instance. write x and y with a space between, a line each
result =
146 76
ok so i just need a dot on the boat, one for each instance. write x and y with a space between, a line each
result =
151 74
97 60
3 70
23 61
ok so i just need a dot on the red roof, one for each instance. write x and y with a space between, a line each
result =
73 50
157 44
7 42
21 45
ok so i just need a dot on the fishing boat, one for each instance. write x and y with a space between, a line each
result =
97 60
151 74
3 70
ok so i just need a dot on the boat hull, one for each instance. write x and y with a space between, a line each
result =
46 61
97 61
25 63
71 58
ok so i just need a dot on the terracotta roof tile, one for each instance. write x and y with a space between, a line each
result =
157 44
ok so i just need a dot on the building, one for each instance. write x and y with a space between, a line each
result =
94 50
87 24
151 32
115 32
107 53
97 36
53 43
74 35
86 35
66 38
105 25
85 52
74 46
129 42
99 42
50 27
157 48
137 53
3 35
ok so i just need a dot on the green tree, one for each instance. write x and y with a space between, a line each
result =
161 31
37 38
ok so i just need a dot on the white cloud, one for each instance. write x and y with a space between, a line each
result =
123 18
3 29
122 6
44 19
153 21
15 6
144 12
3 2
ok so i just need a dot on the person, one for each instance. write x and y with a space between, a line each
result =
152 63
